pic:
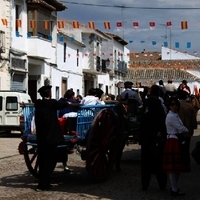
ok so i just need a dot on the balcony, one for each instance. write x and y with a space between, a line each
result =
40 48
121 67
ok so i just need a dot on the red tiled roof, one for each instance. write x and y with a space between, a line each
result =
149 75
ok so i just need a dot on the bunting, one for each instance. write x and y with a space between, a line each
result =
91 25
5 22
184 25
153 42
176 44
169 24
61 38
188 44
119 24
60 24
165 44
18 23
135 25
46 24
33 24
107 25
75 24
152 25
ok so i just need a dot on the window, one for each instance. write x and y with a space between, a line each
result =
11 103
57 92
77 57
1 102
17 17
64 51
40 24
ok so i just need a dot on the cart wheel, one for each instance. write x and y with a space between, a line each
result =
31 159
102 143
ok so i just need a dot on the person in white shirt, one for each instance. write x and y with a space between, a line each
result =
170 87
173 161
91 98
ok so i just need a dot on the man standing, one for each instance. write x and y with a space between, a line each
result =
170 87
49 135
129 93
187 115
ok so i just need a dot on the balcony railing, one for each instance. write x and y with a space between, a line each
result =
121 67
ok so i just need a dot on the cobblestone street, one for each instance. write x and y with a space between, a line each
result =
17 183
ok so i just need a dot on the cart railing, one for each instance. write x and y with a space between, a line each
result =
85 116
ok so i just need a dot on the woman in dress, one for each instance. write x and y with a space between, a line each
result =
173 162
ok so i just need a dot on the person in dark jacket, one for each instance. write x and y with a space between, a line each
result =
153 136
69 97
48 133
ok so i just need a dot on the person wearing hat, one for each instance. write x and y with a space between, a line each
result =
49 135
183 86
129 93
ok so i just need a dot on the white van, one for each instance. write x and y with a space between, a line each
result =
11 117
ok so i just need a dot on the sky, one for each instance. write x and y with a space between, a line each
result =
143 12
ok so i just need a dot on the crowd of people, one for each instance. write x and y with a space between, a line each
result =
167 123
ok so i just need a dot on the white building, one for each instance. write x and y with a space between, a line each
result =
4 44
32 54
41 44
69 65
104 63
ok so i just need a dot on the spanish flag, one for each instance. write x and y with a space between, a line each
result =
33 24
184 25
18 23
75 24
107 25
4 21
46 24
91 25
60 24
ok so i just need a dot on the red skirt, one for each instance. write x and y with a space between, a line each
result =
172 159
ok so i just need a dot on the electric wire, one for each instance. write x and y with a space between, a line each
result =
132 7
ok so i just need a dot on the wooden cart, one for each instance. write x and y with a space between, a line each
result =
100 131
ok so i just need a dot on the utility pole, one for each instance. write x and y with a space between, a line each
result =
166 36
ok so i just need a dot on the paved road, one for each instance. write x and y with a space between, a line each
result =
17 184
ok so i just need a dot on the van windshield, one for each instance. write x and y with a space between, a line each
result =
11 103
